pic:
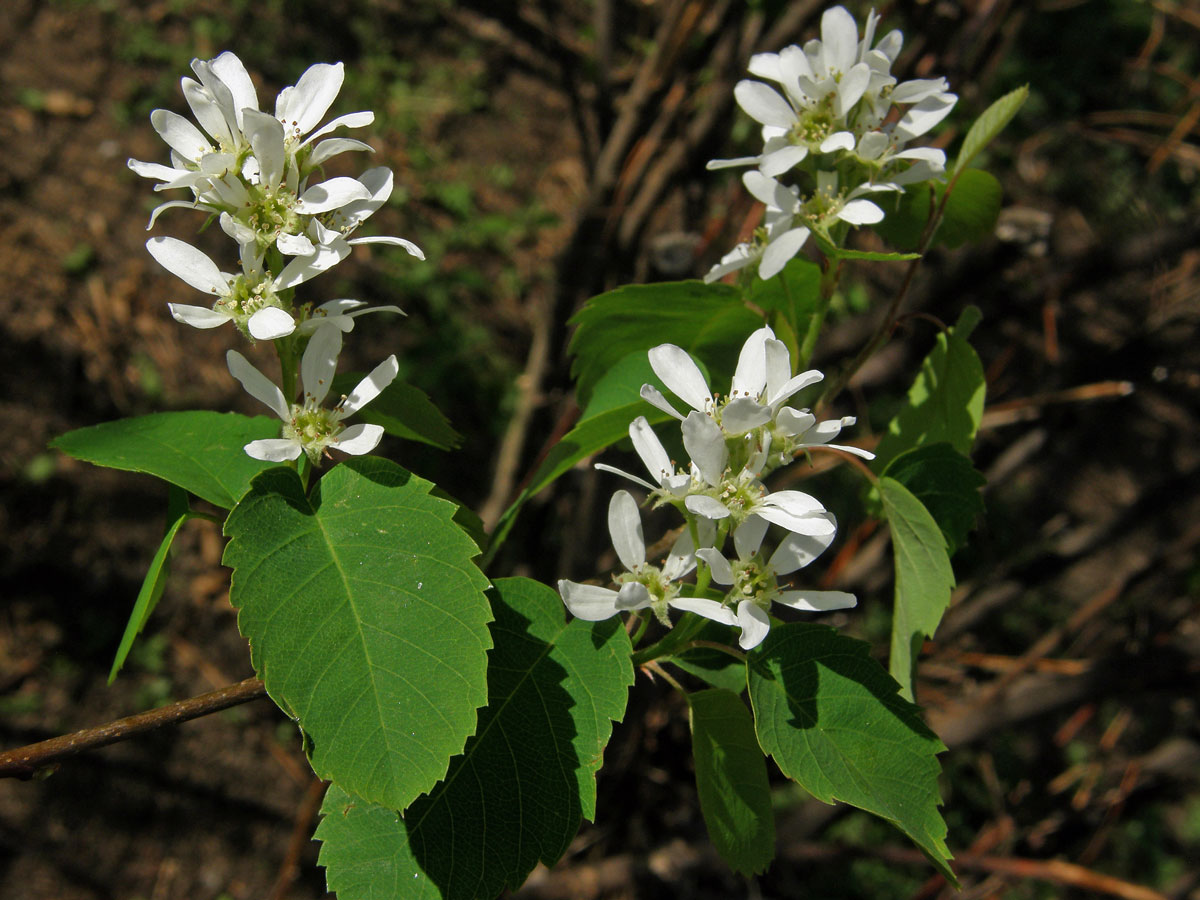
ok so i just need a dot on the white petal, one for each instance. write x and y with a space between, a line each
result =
302 106
860 212
743 414
181 135
257 385
714 164
371 386
763 104
633 595
842 140
231 71
706 506
270 323
853 451
350 120
926 114
207 112
705 444
781 251
319 362
889 45
173 204
919 89
359 439
413 249
737 258
794 422
839 39
587 601
754 622
796 551
748 536
769 191
817 601
191 265
294 244
750 376
682 557
326 150
722 571
782 160
766 65
302 268
604 467
710 609
794 385
331 194
198 316
872 144
274 449
681 375
625 528
265 133
851 88
651 451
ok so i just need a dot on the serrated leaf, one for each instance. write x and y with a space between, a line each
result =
155 581
832 720
945 402
199 451
707 320
731 779
367 621
984 129
972 209
404 411
924 578
525 780
946 484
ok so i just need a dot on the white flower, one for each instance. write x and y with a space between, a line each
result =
308 427
836 91
249 299
755 583
777 240
641 585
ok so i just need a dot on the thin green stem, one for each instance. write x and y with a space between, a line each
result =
641 629
830 276
713 645
662 673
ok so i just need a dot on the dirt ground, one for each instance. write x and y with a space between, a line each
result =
1064 677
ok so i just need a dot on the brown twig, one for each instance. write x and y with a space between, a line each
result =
301 836
24 762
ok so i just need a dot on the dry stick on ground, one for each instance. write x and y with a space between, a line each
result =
24 762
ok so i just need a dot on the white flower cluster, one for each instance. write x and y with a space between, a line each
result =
733 442
252 170
830 140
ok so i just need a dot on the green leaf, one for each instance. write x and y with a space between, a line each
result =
946 484
945 402
154 582
924 578
984 129
718 669
971 212
794 293
525 780
707 320
731 778
905 216
200 452
404 411
832 720
366 619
